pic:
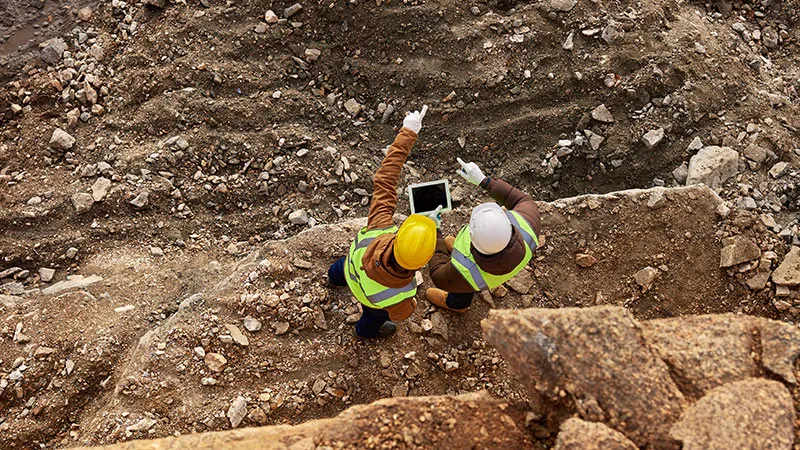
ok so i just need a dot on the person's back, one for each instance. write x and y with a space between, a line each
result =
495 246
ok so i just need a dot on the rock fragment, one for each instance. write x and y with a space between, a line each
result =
100 188
788 273
53 50
251 324
602 114
738 249
292 10
237 411
352 106
61 140
645 278
749 414
522 282
299 217
585 260
713 166
46 275
82 202
140 201
576 434
215 362
238 338
653 138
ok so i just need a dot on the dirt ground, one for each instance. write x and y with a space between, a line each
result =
229 125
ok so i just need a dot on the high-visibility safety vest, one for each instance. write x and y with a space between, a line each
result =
369 292
462 258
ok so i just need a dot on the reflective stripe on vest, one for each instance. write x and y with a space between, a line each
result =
529 238
464 262
369 292
473 269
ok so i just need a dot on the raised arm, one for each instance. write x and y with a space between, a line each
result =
384 196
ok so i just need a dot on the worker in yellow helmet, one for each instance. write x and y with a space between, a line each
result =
380 268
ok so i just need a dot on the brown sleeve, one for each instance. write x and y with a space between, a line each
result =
402 310
514 200
443 274
384 197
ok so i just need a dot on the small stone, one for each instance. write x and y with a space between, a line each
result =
61 140
252 324
657 199
699 48
261 28
85 14
755 153
239 338
746 203
713 166
352 107
778 169
559 5
71 253
595 140
312 54
723 210
292 10
53 51
156 252
43 352
257 416
653 138
142 425
160 4
695 145
82 202
645 277
46 275
522 282
299 217
318 386
450 366
100 188
34 201
270 17
569 44
737 250
681 173
215 362
400 389
438 325
611 33
208 381
585 260
237 411
281 328
788 273
200 352
602 114
141 200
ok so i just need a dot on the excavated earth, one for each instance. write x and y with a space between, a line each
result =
211 164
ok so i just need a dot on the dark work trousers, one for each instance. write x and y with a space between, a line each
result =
371 319
459 301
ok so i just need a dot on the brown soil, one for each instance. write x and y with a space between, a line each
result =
199 71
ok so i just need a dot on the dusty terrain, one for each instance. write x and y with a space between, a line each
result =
193 133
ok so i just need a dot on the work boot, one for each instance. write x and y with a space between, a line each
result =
439 298
450 241
387 330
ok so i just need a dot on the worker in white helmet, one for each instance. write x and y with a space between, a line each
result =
496 245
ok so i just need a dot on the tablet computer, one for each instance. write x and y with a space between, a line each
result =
426 197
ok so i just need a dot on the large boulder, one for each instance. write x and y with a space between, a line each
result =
753 414
713 166
577 434
467 421
595 362
704 352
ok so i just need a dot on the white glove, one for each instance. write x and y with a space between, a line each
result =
436 216
471 172
413 121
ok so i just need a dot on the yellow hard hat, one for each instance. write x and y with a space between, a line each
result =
415 242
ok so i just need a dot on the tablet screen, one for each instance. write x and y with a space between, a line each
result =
429 196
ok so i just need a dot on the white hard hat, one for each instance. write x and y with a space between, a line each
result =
489 228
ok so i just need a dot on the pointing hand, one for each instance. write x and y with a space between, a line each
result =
413 121
471 172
